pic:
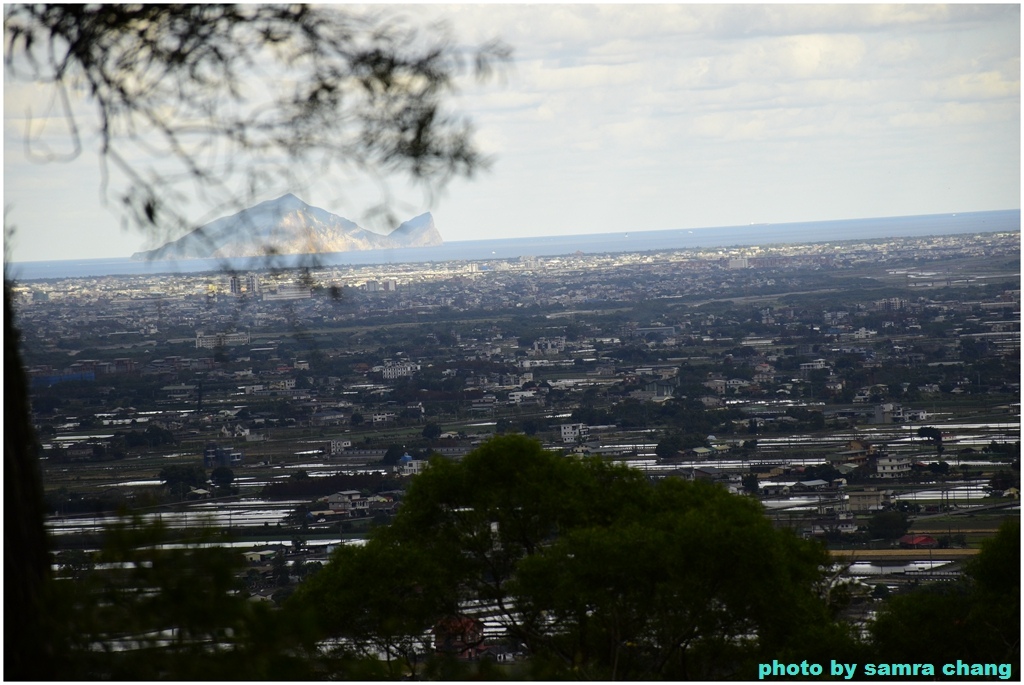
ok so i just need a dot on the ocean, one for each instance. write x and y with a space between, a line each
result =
595 243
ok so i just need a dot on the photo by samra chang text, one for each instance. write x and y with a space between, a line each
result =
847 671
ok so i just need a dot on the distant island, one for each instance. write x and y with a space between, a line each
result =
288 225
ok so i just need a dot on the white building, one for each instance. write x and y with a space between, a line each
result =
518 396
339 446
393 370
572 432
407 466
892 466
549 345
889 412
349 502
815 365
204 341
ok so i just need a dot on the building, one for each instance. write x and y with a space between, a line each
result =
575 432
407 466
892 466
204 341
393 370
549 345
889 412
867 500
815 365
459 636
350 502
918 542
215 456
339 446
292 291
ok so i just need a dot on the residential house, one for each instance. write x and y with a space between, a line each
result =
407 466
889 412
892 466
867 500
574 432
350 502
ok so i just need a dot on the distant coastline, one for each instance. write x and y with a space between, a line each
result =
595 243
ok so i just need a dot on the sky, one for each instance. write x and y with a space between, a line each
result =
625 117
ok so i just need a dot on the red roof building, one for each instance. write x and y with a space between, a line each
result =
918 542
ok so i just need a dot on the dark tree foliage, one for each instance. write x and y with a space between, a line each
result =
27 652
182 610
262 98
976 620
393 454
153 436
888 525
222 477
597 571
673 443
933 436
179 480
432 431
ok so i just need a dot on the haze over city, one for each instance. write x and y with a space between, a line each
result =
617 118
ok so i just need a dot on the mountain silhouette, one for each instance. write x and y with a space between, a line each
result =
288 225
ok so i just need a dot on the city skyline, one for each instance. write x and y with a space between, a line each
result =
633 118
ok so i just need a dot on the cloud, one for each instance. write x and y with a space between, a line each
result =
806 110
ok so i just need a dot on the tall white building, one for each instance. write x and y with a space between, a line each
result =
892 466
571 432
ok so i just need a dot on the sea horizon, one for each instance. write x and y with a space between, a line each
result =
550 246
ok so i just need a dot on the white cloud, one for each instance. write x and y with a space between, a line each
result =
613 113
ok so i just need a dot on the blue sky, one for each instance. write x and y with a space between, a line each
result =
645 117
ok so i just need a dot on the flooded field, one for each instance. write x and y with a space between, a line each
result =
245 513
863 569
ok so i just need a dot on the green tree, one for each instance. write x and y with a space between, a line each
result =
669 446
432 431
222 477
888 525
279 570
183 610
393 454
179 479
598 571
628 601
934 436
976 619
382 600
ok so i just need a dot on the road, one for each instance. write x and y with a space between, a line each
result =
901 554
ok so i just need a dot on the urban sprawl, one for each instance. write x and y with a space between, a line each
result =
867 393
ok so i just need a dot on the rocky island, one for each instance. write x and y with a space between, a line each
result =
288 225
